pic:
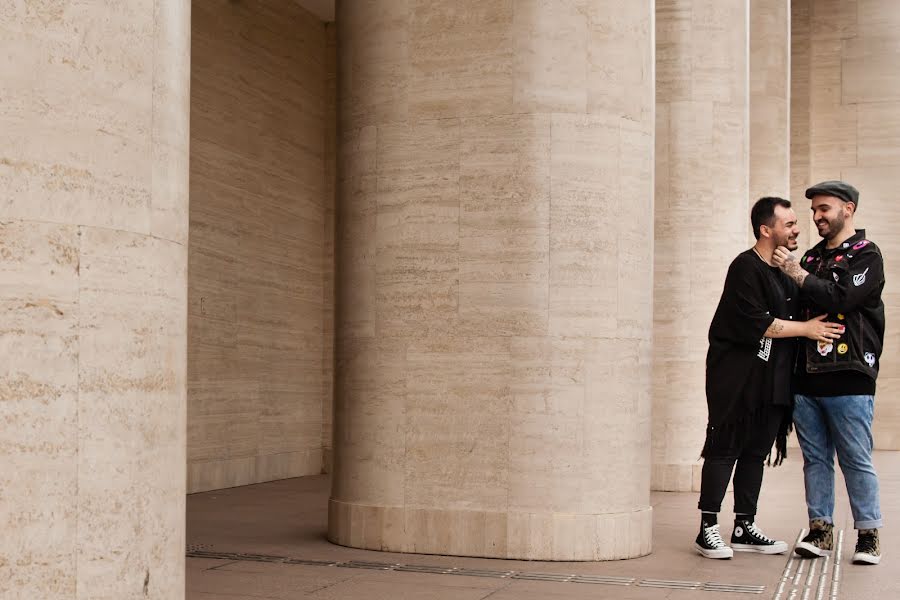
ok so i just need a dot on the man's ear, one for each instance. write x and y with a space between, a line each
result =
851 207
765 231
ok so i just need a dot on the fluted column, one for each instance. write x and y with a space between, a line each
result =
494 278
770 86
702 215
93 234
853 123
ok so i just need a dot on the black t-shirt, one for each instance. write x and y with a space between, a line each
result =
744 369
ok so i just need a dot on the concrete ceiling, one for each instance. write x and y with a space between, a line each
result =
324 9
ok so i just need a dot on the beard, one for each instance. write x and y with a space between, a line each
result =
829 228
788 241
791 244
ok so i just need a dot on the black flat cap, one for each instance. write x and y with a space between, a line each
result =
838 189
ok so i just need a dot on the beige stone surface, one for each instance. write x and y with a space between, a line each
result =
701 217
800 116
324 9
260 322
494 278
770 73
329 266
851 104
93 296
250 521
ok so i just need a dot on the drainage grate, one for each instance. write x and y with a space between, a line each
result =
561 577
360 564
205 551
482 573
312 563
604 580
425 569
733 588
670 583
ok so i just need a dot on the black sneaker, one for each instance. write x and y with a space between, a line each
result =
818 542
868 548
710 544
747 537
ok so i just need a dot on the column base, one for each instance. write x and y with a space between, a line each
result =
485 534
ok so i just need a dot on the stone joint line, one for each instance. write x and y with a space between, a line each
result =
194 551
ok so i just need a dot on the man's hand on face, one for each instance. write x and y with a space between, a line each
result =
782 256
786 261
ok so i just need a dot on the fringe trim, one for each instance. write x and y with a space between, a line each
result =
784 430
733 435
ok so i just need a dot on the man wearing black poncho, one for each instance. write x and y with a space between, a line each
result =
748 381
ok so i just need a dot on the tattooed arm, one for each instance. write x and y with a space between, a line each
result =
786 261
815 329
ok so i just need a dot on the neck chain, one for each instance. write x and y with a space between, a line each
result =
760 256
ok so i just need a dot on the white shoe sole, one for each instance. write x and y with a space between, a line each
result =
861 558
809 551
719 553
776 548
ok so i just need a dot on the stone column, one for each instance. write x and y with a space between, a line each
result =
854 134
800 121
702 216
770 77
494 281
93 233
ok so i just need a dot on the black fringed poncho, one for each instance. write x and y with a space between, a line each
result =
746 372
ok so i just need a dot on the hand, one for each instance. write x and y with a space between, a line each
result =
782 256
784 260
820 330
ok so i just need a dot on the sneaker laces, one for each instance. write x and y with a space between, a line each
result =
713 537
757 533
866 543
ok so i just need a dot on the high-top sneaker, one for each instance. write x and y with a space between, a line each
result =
868 548
818 542
747 537
710 544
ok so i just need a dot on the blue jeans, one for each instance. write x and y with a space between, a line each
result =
826 424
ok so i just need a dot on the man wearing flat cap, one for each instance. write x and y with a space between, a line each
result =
843 276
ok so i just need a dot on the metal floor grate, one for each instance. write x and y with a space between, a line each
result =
205 551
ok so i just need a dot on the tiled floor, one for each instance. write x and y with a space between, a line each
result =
288 518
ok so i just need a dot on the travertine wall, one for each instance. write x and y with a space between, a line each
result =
770 53
702 186
93 284
260 207
494 280
329 267
854 134
799 121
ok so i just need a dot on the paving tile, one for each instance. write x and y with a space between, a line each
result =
288 518
284 582
194 595
201 564
397 589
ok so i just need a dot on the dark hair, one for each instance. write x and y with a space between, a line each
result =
763 212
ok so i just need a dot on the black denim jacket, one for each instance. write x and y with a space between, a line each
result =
846 283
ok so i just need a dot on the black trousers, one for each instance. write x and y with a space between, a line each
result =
750 455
